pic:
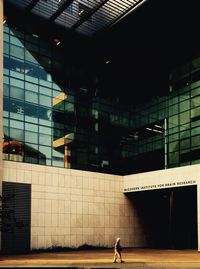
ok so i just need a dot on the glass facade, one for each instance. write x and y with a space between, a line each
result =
54 114
184 115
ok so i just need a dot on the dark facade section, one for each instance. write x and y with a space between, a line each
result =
168 217
16 223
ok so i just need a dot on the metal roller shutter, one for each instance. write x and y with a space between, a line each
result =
16 221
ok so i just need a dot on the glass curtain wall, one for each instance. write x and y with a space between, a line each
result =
54 114
184 115
178 115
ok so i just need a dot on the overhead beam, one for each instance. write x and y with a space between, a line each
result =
31 5
60 10
88 15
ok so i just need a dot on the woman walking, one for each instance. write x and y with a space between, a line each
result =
117 251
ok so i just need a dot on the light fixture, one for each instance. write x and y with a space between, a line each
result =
81 12
35 35
56 41
154 130
150 129
158 126
4 19
107 61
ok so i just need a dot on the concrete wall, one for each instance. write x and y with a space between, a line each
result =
71 207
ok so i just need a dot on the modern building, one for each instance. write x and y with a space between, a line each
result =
82 162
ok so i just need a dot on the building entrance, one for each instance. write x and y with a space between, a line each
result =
168 217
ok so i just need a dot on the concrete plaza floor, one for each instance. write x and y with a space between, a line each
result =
89 259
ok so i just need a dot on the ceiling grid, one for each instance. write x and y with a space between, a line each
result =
86 17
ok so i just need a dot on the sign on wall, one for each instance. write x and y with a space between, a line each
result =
170 184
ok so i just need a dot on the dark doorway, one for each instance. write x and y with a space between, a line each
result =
168 217
184 218
16 219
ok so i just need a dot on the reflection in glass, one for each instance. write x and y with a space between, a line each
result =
55 114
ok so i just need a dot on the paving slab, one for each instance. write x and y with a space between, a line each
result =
135 258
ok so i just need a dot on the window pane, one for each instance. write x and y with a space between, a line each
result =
46 151
45 139
31 127
17 93
31 137
45 100
17 51
16 134
31 97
